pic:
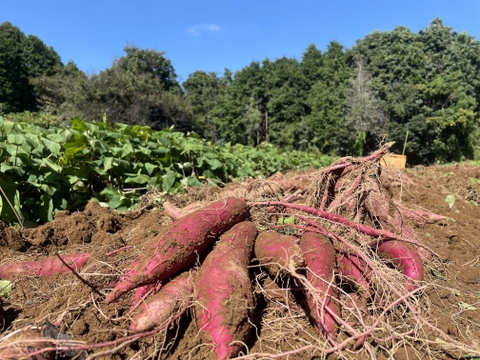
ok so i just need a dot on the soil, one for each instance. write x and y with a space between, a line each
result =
66 308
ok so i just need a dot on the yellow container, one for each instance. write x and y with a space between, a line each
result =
394 160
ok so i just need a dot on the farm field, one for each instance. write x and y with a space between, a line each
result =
62 305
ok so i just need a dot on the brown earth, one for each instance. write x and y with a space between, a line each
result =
62 306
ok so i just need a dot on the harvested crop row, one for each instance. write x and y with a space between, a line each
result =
356 269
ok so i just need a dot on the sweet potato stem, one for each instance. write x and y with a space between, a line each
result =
338 219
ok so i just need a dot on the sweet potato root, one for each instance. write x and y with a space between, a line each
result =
177 248
278 253
45 267
172 300
384 212
406 258
224 292
355 271
320 262
176 213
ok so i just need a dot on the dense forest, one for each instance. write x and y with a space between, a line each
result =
419 89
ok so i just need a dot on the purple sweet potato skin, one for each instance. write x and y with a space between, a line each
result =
224 292
172 300
278 252
177 248
320 261
406 257
45 267
355 270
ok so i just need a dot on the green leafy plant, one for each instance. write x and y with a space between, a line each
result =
45 170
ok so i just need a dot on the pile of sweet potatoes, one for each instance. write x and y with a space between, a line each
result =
344 229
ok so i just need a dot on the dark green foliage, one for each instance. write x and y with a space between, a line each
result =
140 88
15 91
428 85
263 103
21 59
326 121
59 94
312 64
203 92
241 112
38 58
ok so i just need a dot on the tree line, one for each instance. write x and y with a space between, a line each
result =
420 89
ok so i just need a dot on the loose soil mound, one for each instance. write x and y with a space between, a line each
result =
63 307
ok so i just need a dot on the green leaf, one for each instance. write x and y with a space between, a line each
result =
450 200
5 288
194 181
52 146
43 209
168 180
287 220
16 139
137 179
108 163
6 212
76 144
470 357
151 168
116 202
214 164
52 165
6 127
16 170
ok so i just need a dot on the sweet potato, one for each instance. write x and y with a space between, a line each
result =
383 211
320 262
172 300
176 213
45 267
178 248
278 252
224 292
355 271
404 256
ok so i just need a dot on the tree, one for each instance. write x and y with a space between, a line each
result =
22 58
15 90
39 59
140 88
57 94
286 92
246 90
202 93
311 64
428 84
151 63
325 127
364 112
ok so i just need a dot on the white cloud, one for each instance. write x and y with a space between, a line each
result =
198 30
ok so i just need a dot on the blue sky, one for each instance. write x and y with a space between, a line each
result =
212 35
